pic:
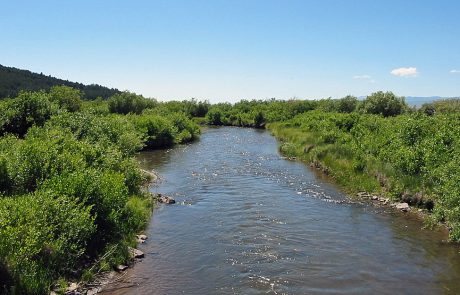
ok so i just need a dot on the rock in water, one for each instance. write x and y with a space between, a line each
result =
122 267
141 238
403 207
167 200
135 253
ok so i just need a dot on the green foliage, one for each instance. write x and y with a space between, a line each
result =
127 102
191 108
70 189
43 235
214 117
107 131
348 104
66 97
138 211
104 192
410 154
443 106
259 120
184 129
384 103
158 131
25 111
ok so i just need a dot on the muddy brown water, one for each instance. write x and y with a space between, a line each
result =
248 221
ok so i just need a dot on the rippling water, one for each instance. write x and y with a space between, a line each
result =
249 221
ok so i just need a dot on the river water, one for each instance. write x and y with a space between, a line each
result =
248 221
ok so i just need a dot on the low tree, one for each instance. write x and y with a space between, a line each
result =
66 97
127 102
384 103
347 104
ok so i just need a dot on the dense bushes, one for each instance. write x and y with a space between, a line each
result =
28 109
43 236
67 97
127 102
446 106
384 103
70 189
402 156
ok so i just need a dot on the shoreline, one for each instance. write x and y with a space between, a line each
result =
102 280
362 196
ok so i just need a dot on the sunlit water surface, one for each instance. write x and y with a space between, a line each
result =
248 221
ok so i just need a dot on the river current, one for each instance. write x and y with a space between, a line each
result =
249 221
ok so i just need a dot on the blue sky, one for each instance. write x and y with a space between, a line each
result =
232 50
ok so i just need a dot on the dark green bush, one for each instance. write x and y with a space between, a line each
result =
70 189
158 131
348 104
384 103
25 111
214 117
66 97
127 102
43 236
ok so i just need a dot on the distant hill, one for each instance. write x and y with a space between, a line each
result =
12 80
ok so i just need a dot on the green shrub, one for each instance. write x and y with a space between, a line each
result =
384 103
43 236
127 102
66 97
138 210
185 130
104 191
348 104
158 131
25 111
214 117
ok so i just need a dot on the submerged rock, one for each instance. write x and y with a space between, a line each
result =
166 200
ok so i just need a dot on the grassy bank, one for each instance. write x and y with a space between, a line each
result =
379 145
71 195
412 158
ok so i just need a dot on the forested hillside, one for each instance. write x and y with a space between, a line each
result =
13 80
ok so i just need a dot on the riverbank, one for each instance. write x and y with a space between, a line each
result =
71 197
393 158
99 277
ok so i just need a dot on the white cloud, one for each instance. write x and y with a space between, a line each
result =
364 77
405 72
455 71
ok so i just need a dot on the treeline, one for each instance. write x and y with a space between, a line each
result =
13 80
71 196
257 113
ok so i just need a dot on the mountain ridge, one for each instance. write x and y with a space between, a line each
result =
13 80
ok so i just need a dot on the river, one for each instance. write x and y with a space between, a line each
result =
248 221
